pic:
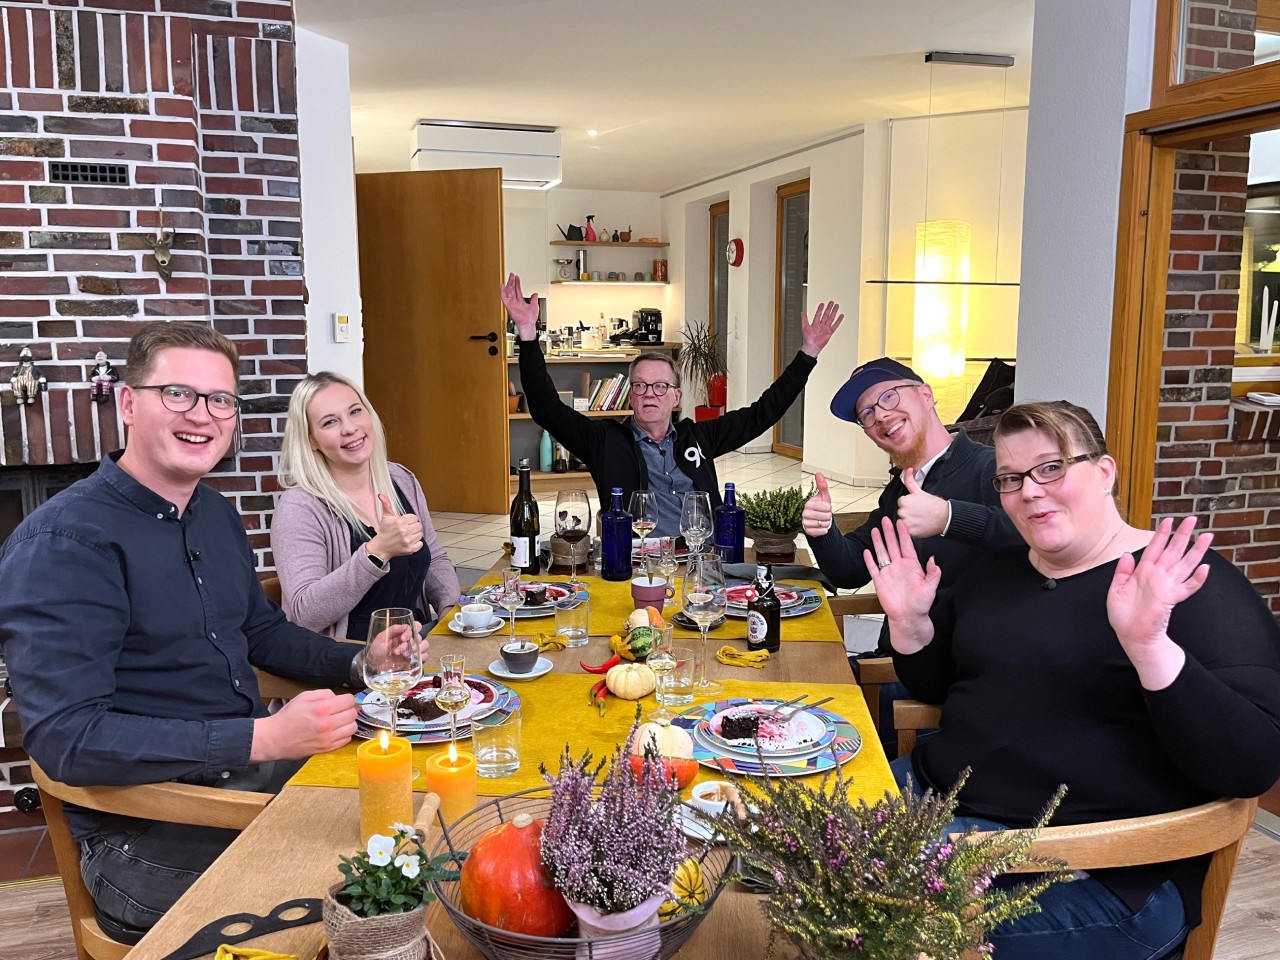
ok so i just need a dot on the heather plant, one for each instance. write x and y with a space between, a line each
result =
880 880
611 839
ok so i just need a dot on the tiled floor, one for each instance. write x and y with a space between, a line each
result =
474 540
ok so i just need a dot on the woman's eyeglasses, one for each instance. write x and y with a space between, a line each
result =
1051 471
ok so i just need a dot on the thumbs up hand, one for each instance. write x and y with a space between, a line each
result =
816 517
924 514
397 536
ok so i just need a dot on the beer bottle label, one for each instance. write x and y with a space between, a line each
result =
757 628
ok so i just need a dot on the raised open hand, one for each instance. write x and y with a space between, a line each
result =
924 514
1143 593
817 334
816 516
905 589
524 314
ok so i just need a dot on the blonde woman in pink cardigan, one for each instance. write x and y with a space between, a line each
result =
351 533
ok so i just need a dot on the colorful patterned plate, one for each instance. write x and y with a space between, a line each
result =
809 601
740 594
845 746
487 695
803 733
555 592
369 732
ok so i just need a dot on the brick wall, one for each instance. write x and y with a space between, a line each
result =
1232 485
196 99
1219 37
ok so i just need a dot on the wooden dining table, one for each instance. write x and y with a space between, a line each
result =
291 850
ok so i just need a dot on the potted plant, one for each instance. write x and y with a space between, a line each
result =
845 878
772 521
378 909
702 361
611 845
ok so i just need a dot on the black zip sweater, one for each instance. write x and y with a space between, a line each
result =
608 447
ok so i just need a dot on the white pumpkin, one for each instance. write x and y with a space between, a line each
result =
671 741
630 681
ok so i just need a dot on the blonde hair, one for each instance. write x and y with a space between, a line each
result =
301 465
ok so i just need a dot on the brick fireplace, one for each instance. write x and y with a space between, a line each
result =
114 116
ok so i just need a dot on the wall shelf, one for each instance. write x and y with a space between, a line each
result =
607 243
612 283
585 413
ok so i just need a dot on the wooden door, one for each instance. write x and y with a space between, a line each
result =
430 275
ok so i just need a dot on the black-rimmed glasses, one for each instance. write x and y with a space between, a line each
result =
1051 471
659 389
180 398
886 401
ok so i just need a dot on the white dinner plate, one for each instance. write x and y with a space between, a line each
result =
494 626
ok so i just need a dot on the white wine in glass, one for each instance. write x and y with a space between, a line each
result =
454 694
644 516
705 601
392 658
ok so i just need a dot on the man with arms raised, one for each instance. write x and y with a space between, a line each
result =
650 451
130 616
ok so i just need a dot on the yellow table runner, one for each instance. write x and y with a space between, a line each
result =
611 604
556 712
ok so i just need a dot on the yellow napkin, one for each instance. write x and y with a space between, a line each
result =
742 658
229 952
549 641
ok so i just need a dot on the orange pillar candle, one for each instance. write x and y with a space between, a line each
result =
385 767
452 775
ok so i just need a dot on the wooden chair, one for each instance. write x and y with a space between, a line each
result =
872 671
271 587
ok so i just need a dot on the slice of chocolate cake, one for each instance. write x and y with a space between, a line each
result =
740 726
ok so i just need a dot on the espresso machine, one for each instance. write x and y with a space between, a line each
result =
648 327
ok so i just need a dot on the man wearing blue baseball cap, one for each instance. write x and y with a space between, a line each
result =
939 485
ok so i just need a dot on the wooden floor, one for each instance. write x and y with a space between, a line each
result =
34 923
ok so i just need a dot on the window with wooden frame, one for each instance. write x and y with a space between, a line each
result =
791 284
718 274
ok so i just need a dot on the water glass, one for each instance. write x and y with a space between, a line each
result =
497 745
572 617
678 684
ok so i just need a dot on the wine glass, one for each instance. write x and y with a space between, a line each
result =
454 694
695 520
661 661
511 597
573 523
392 658
644 515
705 601
667 565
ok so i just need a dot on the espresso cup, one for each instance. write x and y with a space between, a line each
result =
711 797
597 275
476 616
646 592
520 656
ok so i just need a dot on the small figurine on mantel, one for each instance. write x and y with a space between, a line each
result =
26 380
103 378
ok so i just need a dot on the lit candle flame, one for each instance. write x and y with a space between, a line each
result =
384 741
453 755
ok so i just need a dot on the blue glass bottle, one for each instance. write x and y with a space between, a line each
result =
615 540
730 527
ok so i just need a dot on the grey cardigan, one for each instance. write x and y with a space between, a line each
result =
321 580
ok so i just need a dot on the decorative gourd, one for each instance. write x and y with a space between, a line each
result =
671 741
630 681
645 617
637 645
504 884
688 890
680 770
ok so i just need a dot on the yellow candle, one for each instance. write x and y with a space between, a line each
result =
385 766
452 775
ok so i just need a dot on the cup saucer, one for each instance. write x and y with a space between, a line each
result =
494 625
499 669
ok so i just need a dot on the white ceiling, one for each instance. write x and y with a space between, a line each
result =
679 90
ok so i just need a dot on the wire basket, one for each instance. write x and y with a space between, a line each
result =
498 944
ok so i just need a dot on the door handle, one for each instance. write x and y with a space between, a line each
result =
490 336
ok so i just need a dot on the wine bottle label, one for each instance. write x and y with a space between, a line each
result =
520 551
757 627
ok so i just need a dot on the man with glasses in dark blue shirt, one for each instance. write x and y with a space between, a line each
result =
130 619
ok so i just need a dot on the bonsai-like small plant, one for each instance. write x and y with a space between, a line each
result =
775 510
701 357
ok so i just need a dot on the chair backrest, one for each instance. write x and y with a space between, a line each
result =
171 802
271 587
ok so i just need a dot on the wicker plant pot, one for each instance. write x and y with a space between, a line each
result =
391 936
563 553
772 547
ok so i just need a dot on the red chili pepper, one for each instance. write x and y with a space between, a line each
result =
599 690
604 667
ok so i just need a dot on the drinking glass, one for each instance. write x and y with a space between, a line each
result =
392 658
496 740
454 693
695 520
661 662
667 559
644 515
705 601
573 523
511 597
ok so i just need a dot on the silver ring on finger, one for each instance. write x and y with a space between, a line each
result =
883 563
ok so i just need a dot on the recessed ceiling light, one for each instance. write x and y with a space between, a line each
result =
593 133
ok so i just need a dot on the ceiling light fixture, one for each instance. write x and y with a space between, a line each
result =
528 156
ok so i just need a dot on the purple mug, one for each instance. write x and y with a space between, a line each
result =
646 592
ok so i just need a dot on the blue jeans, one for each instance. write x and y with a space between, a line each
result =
1081 919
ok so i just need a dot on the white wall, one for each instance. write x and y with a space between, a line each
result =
835 251
1087 71
332 266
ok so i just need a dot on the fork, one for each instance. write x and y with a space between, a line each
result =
783 706
806 706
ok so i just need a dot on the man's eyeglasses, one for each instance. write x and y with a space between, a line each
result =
886 401
180 398
1051 471
659 389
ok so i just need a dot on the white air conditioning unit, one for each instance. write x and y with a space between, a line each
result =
528 156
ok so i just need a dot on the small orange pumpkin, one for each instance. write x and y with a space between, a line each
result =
505 885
